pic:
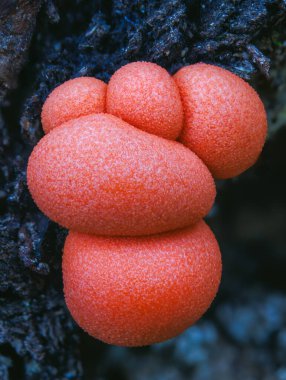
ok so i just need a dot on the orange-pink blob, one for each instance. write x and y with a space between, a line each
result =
146 96
225 120
72 99
97 174
142 290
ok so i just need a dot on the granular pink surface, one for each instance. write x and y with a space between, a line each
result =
146 96
225 120
74 98
141 290
97 174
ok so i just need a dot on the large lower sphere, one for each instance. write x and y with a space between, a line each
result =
138 291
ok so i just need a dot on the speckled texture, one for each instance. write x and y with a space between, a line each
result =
72 99
97 174
146 96
143 290
225 120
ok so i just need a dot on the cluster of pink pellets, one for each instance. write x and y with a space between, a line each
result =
140 265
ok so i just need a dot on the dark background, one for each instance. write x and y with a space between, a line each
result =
43 43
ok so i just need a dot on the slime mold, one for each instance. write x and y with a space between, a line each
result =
140 265
146 96
135 291
225 120
97 174
74 98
